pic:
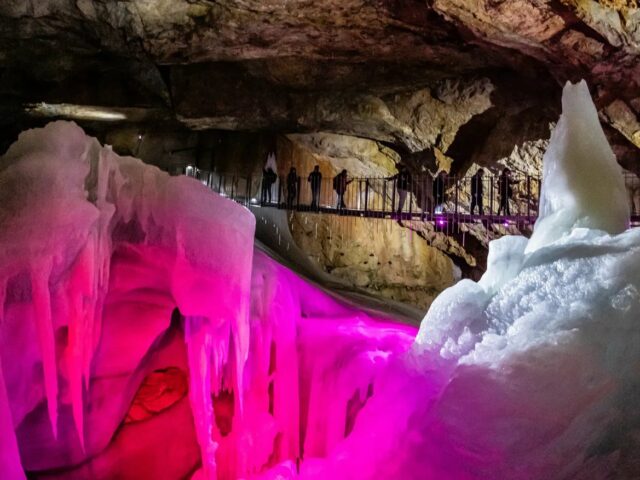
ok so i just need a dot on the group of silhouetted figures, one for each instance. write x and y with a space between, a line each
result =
404 183
505 191
340 183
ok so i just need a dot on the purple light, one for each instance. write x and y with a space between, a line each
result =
441 222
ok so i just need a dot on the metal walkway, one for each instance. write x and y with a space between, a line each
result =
442 204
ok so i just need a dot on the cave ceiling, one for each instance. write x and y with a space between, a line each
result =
379 69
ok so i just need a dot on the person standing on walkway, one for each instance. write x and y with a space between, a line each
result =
439 189
402 185
315 179
477 191
268 179
340 183
424 186
292 187
505 190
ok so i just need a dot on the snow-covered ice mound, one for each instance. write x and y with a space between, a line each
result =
534 371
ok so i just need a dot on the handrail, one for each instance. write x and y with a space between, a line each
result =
448 199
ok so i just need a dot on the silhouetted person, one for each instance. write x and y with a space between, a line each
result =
439 189
269 177
477 190
340 183
425 191
632 183
505 190
403 185
292 187
315 179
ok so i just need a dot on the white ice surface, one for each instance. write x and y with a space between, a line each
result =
582 183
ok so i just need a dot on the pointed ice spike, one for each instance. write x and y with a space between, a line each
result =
582 185
199 352
10 464
42 311
240 334
81 316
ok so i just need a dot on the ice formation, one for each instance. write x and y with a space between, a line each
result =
533 371
99 253
530 373
69 208
583 184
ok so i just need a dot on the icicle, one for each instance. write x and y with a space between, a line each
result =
83 292
3 295
10 464
199 352
102 258
42 311
241 331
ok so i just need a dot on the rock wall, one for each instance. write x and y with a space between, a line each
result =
382 257
379 256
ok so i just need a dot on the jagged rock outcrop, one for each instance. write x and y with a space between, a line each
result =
344 66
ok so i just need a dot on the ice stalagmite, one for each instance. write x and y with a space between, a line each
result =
582 184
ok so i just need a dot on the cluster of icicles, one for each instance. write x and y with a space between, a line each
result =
67 202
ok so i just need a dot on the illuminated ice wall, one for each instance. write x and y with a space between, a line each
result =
97 252
123 289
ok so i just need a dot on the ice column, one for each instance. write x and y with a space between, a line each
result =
583 185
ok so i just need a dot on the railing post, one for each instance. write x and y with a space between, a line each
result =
529 198
491 196
366 195
538 198
456 195
247 197
298 192
384 196
279 191
393 199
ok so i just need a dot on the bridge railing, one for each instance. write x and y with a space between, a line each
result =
425 197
